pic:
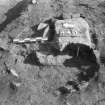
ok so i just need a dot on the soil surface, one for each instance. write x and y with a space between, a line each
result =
44 84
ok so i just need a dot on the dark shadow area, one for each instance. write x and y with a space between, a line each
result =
87 6
51 32
32 59
86 61
82 16
13 87
94 38
60 17
37 33
87 74
69 87
3 50
102 4
49 49
14 13
63 90
84 52
49 46
73 84
102 60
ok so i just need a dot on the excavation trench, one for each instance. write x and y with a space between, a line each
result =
83 57
85 61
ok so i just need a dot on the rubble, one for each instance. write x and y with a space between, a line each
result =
51 60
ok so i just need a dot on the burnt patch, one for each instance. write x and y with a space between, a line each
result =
32 59
85 61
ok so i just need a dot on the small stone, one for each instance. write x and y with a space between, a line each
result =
34 1
12 86
13 72
41 26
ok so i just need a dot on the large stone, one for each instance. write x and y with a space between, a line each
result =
75 30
